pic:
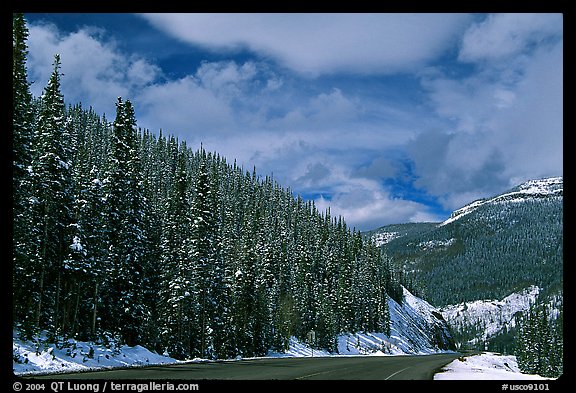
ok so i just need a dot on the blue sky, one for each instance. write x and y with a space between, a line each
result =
386 118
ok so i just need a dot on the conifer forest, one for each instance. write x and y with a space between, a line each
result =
121 233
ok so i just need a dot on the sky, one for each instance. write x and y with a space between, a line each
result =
384 118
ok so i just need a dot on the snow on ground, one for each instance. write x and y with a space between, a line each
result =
384 237
77 357
458 214
492 315
298 349
40 357
551 186
487 365
412 324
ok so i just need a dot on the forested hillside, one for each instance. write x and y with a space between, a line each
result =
495 269
487 249
127 234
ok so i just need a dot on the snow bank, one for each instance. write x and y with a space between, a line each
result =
487 365
415 329
38 357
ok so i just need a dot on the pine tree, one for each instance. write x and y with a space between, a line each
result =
539 342
25 237
206 255
53 192
221 276
125 217
178 289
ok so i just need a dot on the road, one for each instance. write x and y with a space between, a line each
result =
327 368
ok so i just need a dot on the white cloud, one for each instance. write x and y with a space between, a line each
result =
504 123
95 71
226 78
367 205
502 36
315 44
184 108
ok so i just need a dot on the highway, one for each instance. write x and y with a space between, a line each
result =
421 367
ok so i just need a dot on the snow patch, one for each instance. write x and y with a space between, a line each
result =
458 214
553 186
41 357
492 315
486 366
431 244
384 237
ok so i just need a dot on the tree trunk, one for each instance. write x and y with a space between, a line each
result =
75 318
41 293
95 310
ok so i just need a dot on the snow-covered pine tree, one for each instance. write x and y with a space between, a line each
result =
53 192
125 230
224 347
539 343
205 255
345 310
178 308
93 223
25 237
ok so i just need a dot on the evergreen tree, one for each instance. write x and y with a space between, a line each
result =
53 193
125 232
178 295
539 343
25 237
206 256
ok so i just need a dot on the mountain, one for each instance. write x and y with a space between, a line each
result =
530 190
488 249
416 328
487 263
482 321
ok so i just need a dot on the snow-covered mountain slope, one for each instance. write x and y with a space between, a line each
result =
549 187
489 317
416 328
487 249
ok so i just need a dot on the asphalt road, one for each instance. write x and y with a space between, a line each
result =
328 368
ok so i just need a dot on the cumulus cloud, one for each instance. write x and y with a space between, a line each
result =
95 71
315 44
502 36
184 107
458 136
366 204
504 122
